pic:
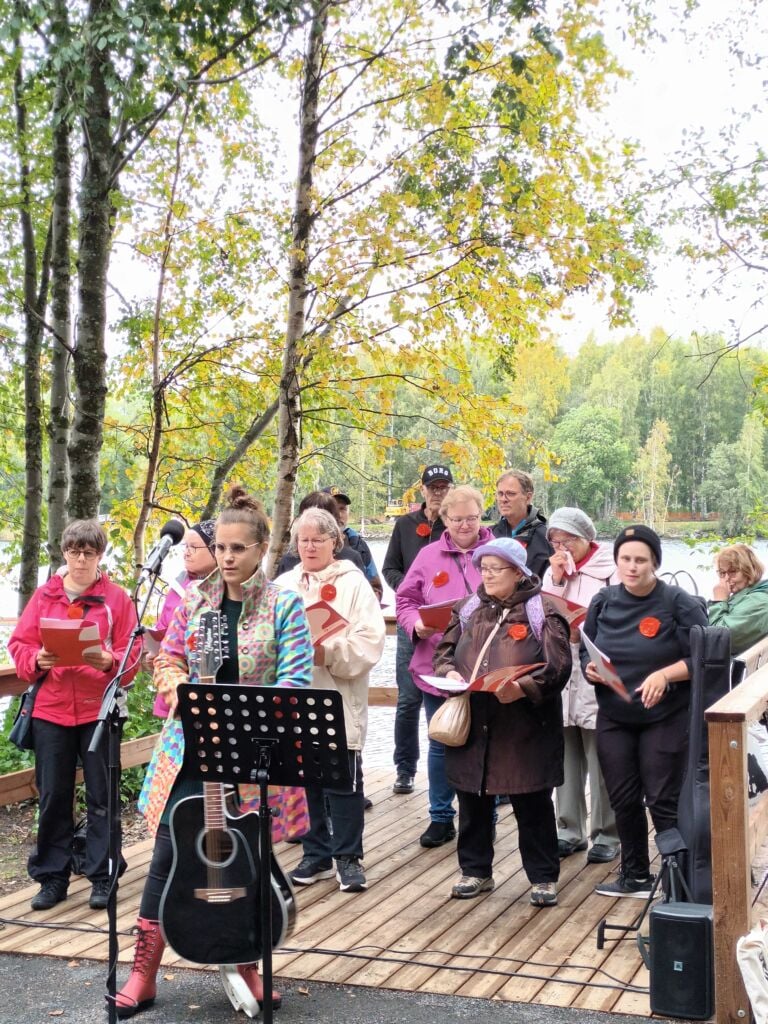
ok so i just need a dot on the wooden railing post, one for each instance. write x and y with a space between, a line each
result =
731 873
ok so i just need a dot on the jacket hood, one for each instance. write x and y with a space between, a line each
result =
600 565
338 567
526 588
54 587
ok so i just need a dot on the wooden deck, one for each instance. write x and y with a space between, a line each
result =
405 932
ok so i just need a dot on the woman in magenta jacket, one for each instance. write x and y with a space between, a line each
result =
67 708
440 572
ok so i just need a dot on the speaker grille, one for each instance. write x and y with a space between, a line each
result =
681 952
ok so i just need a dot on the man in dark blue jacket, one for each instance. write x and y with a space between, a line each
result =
521 520
411 533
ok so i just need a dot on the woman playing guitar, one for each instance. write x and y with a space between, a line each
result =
269 643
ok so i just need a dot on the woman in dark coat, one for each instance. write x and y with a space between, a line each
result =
515 742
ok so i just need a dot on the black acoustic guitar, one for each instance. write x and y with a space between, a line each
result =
209 912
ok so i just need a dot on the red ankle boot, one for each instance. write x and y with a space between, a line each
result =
245 989
140 990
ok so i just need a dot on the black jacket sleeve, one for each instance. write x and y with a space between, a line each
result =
394 566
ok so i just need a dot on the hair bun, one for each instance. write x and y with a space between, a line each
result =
238 497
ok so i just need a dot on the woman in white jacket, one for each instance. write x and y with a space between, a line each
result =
342 662
577 570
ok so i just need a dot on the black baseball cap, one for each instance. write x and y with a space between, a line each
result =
436 475
336 493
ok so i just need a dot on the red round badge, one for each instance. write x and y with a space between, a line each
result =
518 631
440 578
423 530
327 592
649 626
75 611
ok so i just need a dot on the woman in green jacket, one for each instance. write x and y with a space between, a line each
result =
740 597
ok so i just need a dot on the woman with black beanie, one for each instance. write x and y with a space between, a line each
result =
642 624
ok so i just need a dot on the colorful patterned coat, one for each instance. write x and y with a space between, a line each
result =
274 648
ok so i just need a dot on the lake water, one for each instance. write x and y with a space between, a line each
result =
675 556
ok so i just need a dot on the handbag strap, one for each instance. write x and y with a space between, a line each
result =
486 645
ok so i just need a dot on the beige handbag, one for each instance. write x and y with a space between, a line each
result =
450 723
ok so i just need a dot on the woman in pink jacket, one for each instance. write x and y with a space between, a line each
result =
440 572
577 570
67 708
199 562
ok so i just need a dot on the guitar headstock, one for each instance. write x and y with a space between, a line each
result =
211 644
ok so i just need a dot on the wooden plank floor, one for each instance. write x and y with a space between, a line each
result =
405 932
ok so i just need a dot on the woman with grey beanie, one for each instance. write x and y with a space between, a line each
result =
577 570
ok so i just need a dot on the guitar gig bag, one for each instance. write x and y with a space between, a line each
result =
711 661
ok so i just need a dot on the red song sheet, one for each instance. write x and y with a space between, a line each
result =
70 639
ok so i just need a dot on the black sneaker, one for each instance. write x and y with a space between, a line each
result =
99 894
438 833
638 888
403 783
350 874
52 891
310 870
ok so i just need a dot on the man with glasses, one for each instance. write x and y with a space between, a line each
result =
522 520
411 533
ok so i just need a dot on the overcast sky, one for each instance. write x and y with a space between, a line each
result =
686 81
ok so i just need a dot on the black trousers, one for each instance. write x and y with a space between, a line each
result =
347 811
157 876
642 761
537 834
57 748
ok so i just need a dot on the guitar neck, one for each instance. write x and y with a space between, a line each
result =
214 803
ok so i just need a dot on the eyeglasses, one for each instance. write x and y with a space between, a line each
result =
312 542
509 495
563 543
494 570
235 549
459 520
75 553
723 573
189 549
438 487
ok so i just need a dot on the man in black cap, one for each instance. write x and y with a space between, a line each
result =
355 541
411 533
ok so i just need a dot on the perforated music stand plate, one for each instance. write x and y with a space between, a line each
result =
227 727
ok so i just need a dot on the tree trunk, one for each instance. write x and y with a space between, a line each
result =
94 238
35 295
158 383
61 317
289 399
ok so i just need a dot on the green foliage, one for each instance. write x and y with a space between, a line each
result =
140 722
595 460
737 480
11 758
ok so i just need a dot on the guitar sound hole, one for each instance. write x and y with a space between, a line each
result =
216 848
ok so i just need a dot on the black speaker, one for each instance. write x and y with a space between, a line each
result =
682 959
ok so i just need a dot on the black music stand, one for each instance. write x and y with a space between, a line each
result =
264 735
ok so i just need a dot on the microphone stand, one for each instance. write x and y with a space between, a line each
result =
109 717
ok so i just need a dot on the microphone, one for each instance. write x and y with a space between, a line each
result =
170 535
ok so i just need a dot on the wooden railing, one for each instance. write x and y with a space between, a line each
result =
737 830
18 786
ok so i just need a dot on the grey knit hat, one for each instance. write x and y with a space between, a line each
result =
572 520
